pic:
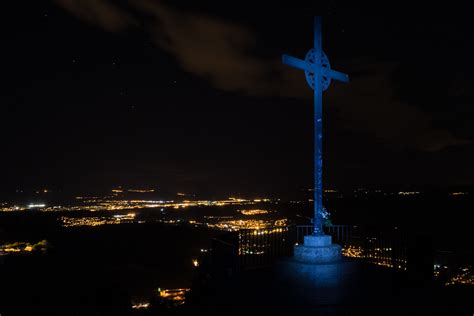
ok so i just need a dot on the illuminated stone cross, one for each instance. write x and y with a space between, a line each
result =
318 75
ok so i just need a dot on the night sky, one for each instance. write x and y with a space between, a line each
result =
194 98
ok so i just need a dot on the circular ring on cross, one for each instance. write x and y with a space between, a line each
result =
310 57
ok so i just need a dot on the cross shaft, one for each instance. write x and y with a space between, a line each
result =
315 68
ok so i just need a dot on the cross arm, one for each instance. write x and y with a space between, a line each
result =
303 65
295 62
336 75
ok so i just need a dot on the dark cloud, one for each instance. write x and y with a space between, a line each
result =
223 52
370 104
99 12
220 51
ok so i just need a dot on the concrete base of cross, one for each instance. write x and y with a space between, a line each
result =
317 250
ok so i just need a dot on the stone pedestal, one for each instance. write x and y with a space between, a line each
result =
317 250
317 272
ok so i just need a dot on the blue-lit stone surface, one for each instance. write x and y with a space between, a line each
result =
317 241
345 283
320 275
317 250
317 255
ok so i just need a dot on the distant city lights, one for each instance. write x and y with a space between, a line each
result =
33 205
253 212
458 193
97 221
176 296
141 190
24 247
409 193
140 305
